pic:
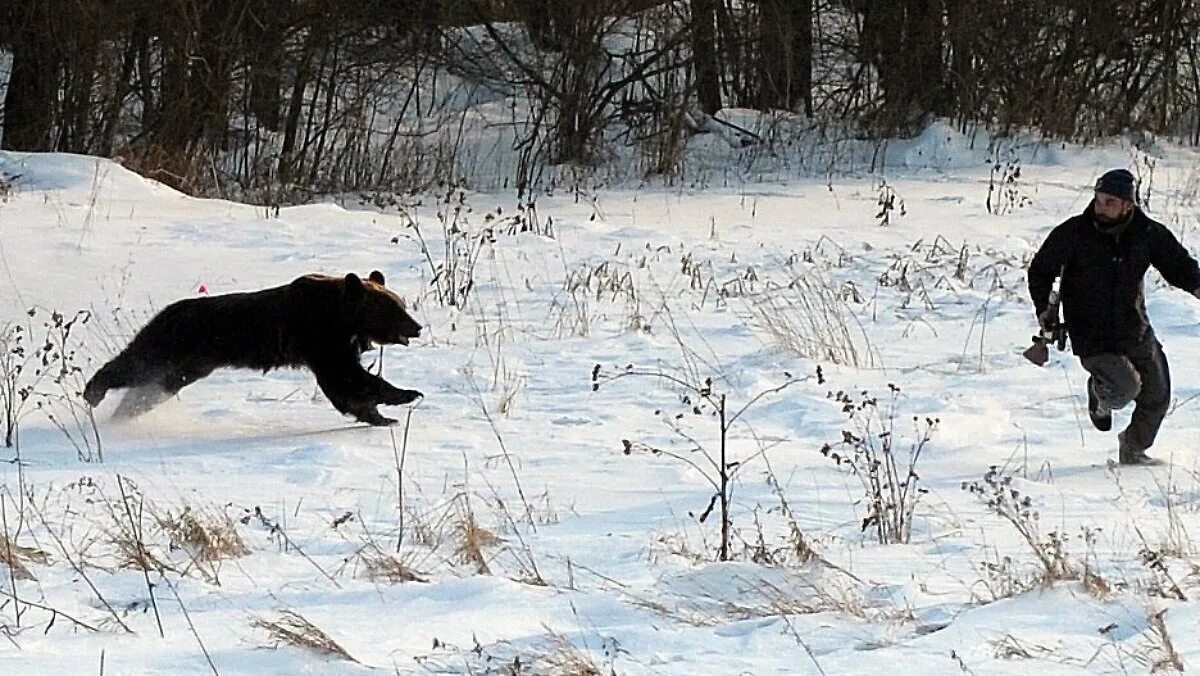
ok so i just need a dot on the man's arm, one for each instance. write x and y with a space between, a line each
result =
1171 259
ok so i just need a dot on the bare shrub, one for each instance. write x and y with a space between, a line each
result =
889 202
890 482
1006 194
44 369
997 493
1000 578
797 549
15 358
699 400
189 172
463 241
143 536
1162 583
61 396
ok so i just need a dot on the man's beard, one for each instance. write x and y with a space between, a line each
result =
1110 224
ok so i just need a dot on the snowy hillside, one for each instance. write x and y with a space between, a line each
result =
539 510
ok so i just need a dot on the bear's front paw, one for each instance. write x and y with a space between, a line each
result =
374 418
93 394
401 397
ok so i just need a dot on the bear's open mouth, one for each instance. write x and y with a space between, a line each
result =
392 340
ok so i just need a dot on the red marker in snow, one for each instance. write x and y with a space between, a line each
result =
203 289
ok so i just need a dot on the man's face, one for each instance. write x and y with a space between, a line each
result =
1110 208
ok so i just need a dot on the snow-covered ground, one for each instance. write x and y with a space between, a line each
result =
538 544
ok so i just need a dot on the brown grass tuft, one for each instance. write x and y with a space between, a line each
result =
293 629
565 659
205 536
383 567
472 539
15 557
131 550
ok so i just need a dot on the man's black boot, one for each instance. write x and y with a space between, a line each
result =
1100 415
1128 455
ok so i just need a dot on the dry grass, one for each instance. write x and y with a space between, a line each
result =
589 289
807 317
206 536
550 654
564 659
15 557
380 566
8 186
764 599
1162 653
509 384
131 550
293 629
145 538
472 539
1009 647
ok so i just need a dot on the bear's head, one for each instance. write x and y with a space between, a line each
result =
379 315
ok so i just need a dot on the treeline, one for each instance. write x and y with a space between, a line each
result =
327 94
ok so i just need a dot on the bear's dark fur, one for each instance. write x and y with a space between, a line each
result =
317 322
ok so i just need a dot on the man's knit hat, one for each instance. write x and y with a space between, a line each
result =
1118 183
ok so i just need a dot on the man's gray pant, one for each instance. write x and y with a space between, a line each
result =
1139 375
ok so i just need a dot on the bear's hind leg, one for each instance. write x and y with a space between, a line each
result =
141 398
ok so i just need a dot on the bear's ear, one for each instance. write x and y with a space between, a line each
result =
376 276
353 290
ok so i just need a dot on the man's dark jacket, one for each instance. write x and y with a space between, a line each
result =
1102 299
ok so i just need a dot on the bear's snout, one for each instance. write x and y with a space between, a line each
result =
408 329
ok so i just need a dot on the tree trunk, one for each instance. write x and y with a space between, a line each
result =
218 44
960 36
172 121
79 71
923 37
785 63
33 85
903 40
264 35
704 47
291 126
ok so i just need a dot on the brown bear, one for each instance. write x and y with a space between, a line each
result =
319 322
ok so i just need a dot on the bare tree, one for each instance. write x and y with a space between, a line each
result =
251 95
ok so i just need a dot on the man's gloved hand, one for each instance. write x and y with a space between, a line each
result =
1048 319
